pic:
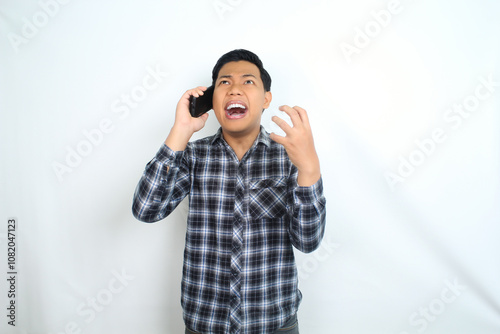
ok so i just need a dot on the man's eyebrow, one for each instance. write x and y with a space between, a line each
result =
243 76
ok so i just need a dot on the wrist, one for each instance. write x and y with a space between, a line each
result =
309 174
307 179
178 138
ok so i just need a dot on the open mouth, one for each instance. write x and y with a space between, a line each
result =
235 109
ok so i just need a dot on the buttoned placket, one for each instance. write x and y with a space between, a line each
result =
239 221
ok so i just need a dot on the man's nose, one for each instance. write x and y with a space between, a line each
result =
235 90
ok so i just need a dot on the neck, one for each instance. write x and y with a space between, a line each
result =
240 143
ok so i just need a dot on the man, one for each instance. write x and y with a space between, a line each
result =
252 196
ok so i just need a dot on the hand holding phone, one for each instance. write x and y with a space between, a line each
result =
200 105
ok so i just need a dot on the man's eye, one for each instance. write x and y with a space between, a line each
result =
249 82
224 82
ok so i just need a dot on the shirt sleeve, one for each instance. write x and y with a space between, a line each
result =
307 225
163 185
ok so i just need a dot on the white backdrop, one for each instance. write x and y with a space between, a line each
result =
404 101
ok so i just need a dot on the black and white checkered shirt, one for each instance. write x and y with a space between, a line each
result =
239 272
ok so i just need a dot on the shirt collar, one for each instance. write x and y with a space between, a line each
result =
262 138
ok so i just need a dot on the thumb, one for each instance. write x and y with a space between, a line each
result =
204 116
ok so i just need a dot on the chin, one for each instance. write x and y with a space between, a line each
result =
241 128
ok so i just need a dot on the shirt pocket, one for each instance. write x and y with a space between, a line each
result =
267 198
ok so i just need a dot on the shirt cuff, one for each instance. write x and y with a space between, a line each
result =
311 194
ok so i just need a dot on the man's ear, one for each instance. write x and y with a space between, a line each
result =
268 97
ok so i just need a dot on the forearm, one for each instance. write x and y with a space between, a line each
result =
166 181
308 217
163 177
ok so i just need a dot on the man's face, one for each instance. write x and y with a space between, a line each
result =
239 98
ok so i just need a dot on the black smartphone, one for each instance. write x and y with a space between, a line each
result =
200 105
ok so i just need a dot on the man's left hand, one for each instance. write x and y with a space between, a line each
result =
299 144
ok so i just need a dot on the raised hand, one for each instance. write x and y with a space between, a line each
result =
182 115
185 125
299 144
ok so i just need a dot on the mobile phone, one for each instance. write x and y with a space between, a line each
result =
200 105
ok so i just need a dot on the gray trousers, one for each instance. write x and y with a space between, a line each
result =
290 327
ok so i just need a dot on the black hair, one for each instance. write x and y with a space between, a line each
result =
238 55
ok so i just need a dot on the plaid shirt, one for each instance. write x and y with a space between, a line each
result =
239 273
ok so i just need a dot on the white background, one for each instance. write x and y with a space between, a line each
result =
418 256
